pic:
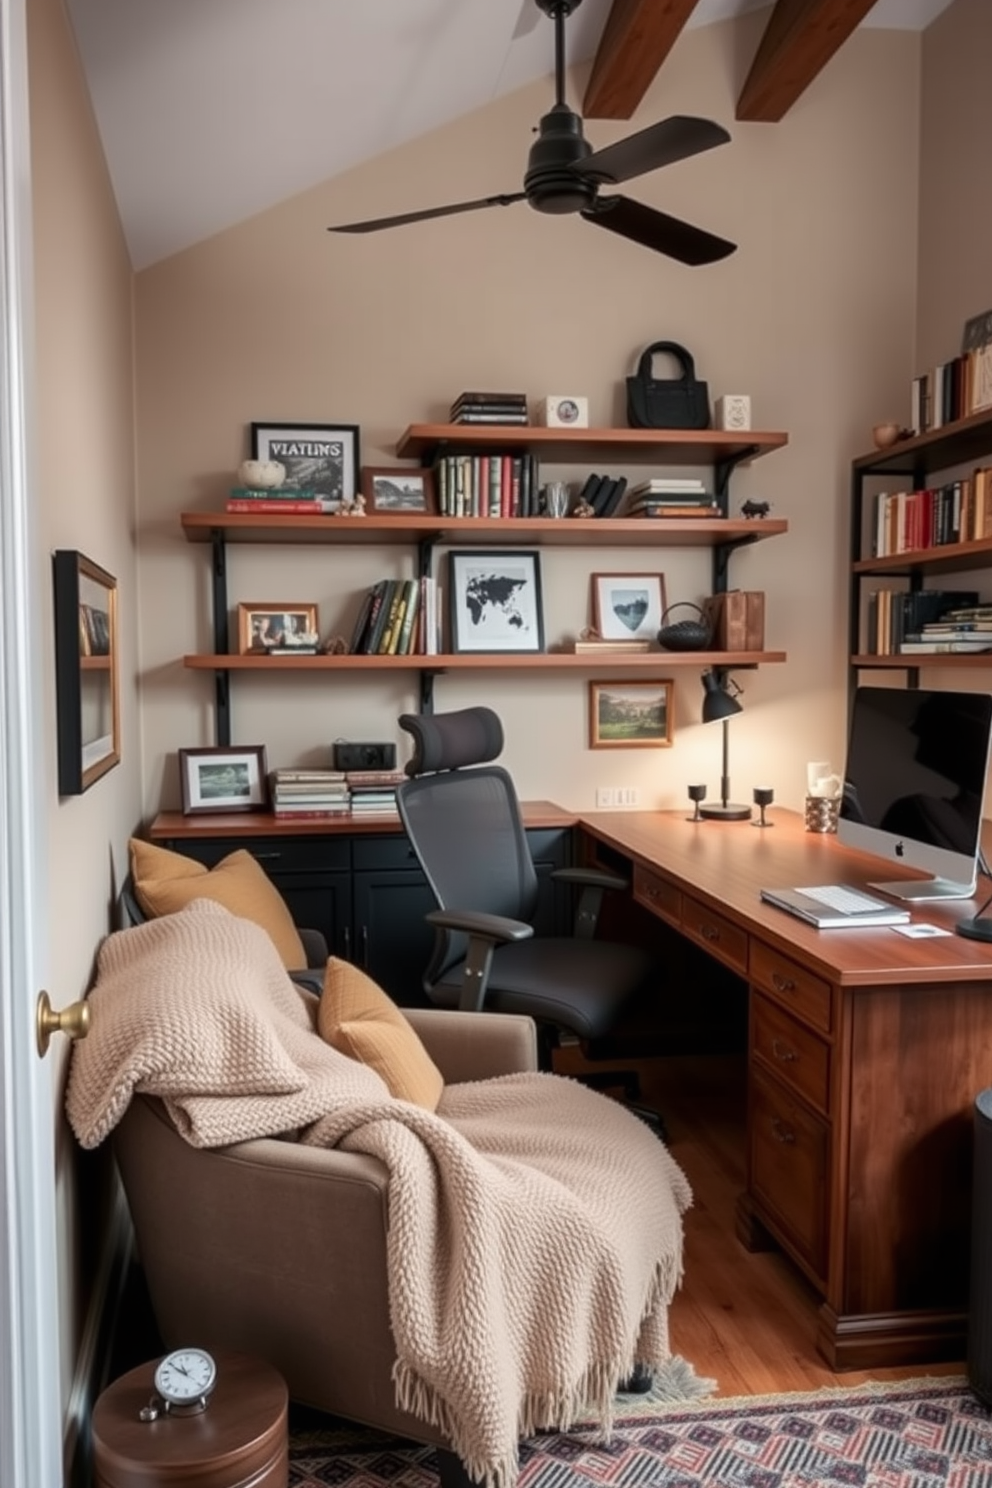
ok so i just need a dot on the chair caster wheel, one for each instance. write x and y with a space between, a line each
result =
638 1383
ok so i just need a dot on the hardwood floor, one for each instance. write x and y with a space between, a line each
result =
746 1320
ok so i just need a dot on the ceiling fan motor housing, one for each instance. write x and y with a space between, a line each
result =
550 183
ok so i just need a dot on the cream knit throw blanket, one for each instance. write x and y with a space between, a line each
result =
535 1236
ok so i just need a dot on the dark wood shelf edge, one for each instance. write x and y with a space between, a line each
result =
199 527
484 661
951 444
694 445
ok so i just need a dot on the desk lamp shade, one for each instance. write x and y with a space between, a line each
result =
719 706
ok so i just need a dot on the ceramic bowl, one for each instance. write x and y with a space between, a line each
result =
884 435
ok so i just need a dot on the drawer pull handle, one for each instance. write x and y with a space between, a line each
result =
782 1133
782 1051
268 857
782 984
710 933
651 891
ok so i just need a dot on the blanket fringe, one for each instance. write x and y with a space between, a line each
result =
595 1393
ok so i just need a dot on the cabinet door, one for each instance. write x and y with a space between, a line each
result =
392 939
550 848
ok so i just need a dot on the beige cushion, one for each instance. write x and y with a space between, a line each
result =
165 882
357 1018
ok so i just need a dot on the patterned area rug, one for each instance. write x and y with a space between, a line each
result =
923 1433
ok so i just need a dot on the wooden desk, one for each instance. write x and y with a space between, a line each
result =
866 1052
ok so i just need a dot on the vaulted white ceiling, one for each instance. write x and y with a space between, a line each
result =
213 110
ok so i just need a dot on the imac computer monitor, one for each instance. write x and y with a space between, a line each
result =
914 784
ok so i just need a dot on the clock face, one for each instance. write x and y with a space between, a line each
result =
185 1375
568 411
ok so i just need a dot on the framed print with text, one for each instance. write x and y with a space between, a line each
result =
322 458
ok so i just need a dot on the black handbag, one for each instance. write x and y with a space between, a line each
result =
676 403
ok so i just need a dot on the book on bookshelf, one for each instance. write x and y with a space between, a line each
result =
273 493
610 648
933 646
695 510
282 508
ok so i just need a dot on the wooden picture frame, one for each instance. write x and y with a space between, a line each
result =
322 458
627 606
87 671
630 715
494 601
398 491
223 778
267 628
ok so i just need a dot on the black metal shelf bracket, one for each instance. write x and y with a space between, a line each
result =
723 469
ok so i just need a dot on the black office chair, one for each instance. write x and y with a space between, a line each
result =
462 817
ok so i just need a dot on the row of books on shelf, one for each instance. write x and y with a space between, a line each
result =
318 793
901 622
507 485
398 617
956 512
952 390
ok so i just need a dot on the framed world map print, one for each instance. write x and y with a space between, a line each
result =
495 602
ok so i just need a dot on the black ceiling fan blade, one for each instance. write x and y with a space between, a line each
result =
660 144
657 230
374 224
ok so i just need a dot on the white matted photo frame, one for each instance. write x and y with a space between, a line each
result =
494 601
627 606
322 458
630 715
398 491
222 778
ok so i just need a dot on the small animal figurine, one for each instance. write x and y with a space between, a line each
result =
755 508
584 509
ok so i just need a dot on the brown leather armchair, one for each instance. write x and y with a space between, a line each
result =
279 1250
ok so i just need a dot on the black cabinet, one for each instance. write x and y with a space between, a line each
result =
367 895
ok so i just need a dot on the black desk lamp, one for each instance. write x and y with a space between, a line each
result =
720 705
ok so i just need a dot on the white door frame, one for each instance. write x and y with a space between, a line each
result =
30 1403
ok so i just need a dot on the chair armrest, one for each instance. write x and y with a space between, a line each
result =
467 1047
593 882
591 877
315 946
485 926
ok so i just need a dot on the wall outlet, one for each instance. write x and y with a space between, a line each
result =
605 796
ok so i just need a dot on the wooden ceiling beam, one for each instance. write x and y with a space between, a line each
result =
637 37
799 41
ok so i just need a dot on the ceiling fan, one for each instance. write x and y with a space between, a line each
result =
564 174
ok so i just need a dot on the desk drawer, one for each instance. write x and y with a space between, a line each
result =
658 895
791 1051
724 940
805 995
788 1157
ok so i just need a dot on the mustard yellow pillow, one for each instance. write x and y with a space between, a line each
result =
357 1018
165 882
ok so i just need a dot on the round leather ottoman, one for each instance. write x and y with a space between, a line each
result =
239 1441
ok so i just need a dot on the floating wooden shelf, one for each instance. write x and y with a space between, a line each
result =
641 661
663 446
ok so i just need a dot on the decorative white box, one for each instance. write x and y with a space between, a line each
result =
563 413
733 411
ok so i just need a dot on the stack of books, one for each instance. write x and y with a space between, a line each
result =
278 501
897 618
489 408
373 790
671 497
958 630
309 793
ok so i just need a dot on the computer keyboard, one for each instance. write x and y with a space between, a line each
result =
845 901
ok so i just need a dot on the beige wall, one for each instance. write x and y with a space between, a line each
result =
84 465
955 229
813 316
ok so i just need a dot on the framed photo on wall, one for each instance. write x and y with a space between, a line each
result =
86 671
494 601
628 607
277 629
322 458
630 715
223 779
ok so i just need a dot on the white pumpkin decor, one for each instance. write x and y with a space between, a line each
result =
261 475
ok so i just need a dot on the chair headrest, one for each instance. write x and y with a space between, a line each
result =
446 741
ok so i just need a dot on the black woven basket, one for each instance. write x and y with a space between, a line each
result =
684 635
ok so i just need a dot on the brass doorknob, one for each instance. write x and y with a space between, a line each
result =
73 1021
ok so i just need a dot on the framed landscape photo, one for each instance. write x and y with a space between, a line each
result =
630 715
86 671
277 629
322 458
223 779
395 491
494 601
628 607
